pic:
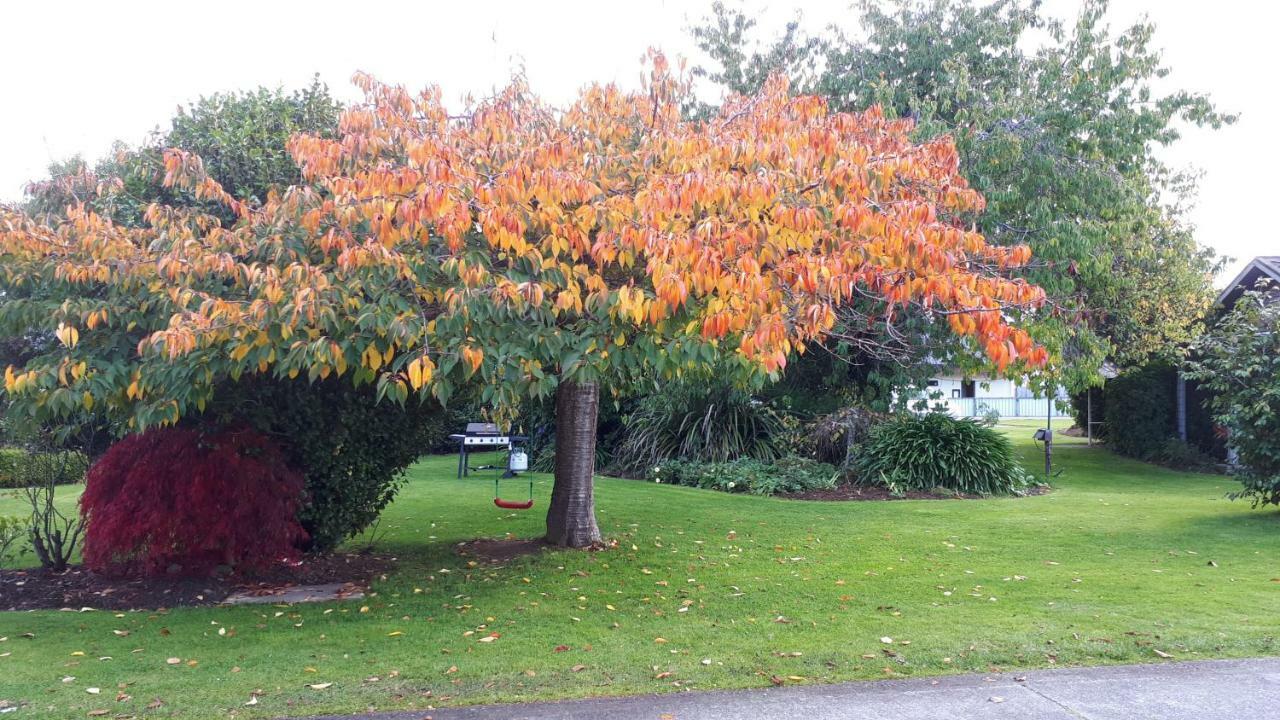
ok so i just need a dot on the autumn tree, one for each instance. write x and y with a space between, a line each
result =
1058 125
522 250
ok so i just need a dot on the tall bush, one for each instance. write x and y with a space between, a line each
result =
1140 410
937 451
351 449
1238 362
179 500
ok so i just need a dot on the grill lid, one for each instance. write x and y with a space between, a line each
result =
480 429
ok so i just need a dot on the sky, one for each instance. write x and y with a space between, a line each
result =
74 77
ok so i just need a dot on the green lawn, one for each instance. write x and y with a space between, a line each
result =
1122 562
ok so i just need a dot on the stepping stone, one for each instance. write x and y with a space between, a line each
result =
296 594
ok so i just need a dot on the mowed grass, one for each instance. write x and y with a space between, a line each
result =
1122 562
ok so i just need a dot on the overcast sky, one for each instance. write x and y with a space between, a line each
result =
76 76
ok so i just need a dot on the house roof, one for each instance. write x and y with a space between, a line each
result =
1263 266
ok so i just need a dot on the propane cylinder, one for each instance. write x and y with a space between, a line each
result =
517 460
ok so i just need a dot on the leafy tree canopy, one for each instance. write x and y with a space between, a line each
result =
513 245
1061 140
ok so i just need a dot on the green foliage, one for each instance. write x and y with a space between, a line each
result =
1062 140
14 533
351 449
240 136
786 475
1238 362
16 470
1182 455
1140 410
708 424
932 451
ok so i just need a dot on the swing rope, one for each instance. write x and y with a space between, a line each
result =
512 504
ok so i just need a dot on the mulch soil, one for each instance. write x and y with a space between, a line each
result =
77 588
875 492
496 552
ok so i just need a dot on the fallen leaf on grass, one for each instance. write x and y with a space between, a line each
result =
395 633
253 700
1161 653
155 704
578 668
320 686
561 648
97 713
174 661
662 675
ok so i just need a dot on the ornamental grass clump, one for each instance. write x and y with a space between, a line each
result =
936 451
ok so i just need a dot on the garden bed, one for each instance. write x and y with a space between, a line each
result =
35 589
876 492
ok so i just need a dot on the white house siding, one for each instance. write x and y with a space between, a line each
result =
1004 396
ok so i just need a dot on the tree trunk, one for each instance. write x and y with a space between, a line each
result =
571 518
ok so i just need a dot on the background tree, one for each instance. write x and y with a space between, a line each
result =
351 449
1061 140
520 250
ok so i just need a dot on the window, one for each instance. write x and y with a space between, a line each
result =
968 389
933 383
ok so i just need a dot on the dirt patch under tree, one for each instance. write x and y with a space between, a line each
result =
35 589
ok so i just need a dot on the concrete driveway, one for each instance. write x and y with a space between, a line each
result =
1211 690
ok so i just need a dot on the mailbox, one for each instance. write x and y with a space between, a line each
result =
1044 435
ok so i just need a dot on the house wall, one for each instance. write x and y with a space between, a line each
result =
1004 396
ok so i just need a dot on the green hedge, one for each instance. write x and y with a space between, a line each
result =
13 468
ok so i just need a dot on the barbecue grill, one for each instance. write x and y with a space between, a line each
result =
488 436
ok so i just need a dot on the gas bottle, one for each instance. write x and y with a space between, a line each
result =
517 461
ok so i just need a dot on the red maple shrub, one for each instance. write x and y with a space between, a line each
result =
178 500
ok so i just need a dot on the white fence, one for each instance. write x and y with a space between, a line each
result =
1006 407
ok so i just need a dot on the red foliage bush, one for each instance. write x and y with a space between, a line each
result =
183 501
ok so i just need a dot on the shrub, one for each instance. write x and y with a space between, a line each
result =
13 531
926 452
185 501
1182 455
715 424
747 475
1238 362
834 435
351 449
